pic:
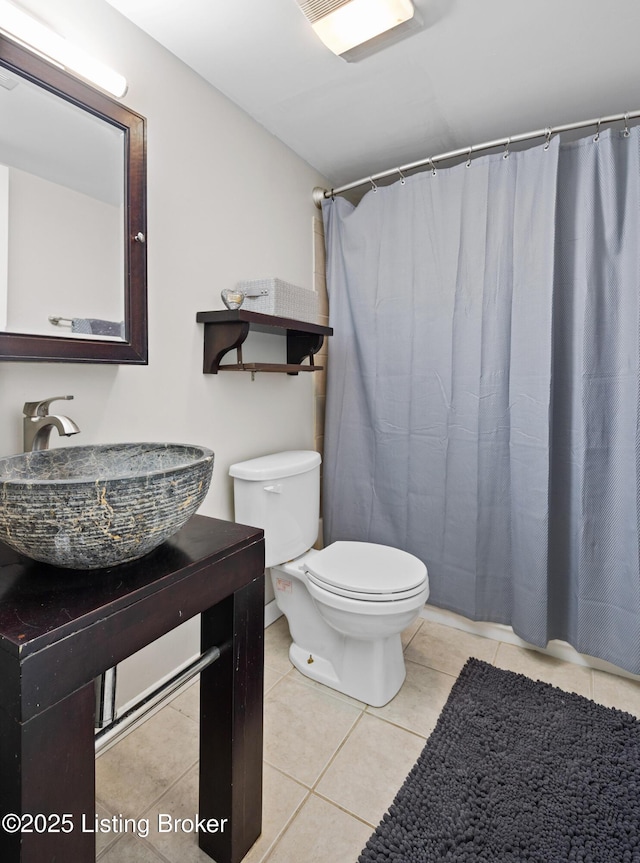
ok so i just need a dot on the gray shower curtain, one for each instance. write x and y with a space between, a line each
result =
482 403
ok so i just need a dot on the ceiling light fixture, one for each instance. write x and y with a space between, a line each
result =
21 27
345 25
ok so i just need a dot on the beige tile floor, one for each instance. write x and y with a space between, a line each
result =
332 764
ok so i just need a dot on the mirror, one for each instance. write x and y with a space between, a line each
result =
72 218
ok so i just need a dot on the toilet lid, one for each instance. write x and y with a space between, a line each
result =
366 568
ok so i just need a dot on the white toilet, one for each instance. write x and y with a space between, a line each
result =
347 604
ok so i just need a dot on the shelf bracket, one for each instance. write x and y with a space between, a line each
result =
219 340
302 345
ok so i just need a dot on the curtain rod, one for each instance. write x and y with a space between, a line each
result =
320 193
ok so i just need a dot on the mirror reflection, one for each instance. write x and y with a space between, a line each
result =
73 255
62 211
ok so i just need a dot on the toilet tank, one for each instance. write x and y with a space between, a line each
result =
281 494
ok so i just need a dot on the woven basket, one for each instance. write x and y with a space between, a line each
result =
275 297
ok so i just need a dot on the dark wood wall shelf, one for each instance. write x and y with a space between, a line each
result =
226 330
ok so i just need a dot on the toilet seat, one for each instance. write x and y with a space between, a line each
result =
367 572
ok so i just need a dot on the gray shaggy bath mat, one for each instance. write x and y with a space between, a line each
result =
514 771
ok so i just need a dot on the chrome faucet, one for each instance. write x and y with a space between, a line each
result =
38 425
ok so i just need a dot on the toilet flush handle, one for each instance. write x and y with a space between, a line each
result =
274 489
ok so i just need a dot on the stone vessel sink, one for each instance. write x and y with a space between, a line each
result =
90 507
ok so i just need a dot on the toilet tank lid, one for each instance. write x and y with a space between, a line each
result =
276 466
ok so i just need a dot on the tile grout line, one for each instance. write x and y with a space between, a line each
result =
393 724
286 827
170 787
155 851
297 677
338 749
339 806
157 799
311 790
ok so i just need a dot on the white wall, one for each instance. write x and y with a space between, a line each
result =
226 201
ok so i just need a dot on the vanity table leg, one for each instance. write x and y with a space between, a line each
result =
231 703
47 769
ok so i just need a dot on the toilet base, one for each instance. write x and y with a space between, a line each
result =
370 671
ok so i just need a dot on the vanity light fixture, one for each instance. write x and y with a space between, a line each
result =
344 25
21 27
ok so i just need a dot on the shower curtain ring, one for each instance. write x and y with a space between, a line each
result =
374 188
505 155
468 163
433 167
597 137
547 135
402 178
626 132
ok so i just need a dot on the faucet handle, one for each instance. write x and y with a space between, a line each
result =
41 409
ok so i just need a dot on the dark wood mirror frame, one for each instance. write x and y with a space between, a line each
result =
20 346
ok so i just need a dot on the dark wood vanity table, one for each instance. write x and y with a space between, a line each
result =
61 628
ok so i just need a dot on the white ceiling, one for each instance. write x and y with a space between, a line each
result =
479 70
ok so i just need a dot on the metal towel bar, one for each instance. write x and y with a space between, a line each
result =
163 692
